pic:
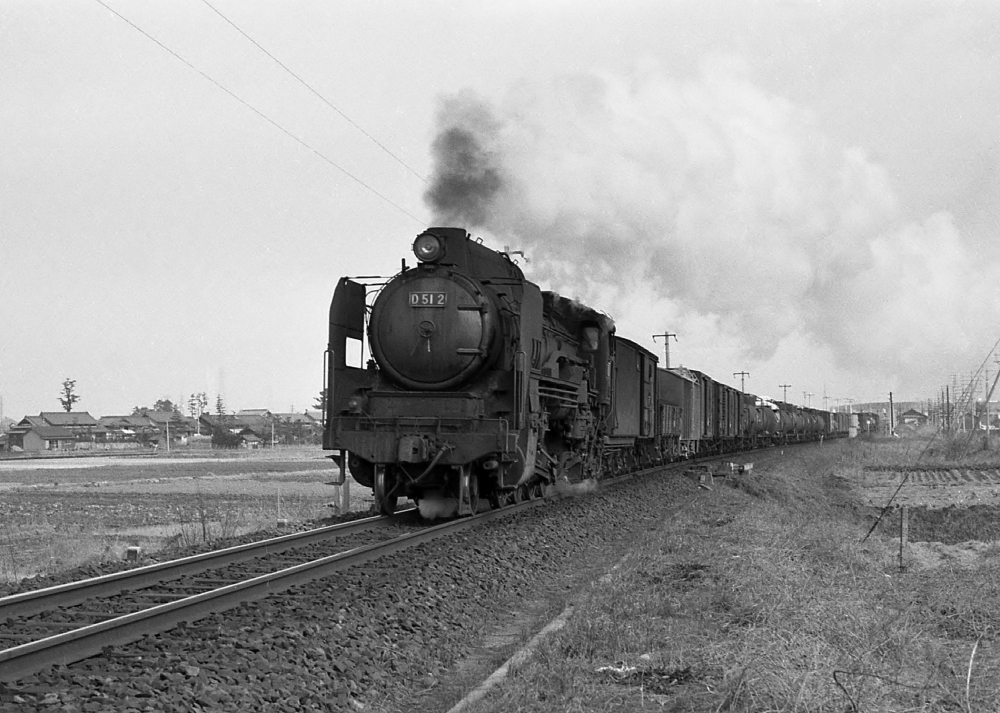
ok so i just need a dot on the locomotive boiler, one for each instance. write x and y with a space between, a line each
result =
479 384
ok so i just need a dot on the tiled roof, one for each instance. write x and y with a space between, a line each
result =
226 421
68 418
27 423
296 418
125 421
162 416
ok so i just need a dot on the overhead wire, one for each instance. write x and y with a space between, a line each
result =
261 114
305 84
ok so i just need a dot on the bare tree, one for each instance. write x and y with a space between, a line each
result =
197 405
69 396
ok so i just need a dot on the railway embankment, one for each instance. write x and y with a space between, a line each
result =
768 593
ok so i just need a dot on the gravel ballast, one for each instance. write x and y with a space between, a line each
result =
412 631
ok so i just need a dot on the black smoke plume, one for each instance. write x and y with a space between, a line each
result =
467 176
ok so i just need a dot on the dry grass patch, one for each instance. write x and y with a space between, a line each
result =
762 597
41 540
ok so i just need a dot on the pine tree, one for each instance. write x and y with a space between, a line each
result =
69 396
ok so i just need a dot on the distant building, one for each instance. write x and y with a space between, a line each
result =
172 424
33 439
81 423
258 422
137 430
56 430
298 428
913 418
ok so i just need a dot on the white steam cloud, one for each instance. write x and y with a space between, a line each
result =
726 202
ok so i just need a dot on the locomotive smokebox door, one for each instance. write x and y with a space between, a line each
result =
433 328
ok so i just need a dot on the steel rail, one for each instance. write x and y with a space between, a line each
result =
78 644
75 645
72 593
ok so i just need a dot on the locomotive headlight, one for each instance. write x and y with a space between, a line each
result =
427 247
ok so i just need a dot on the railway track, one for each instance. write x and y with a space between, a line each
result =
67 623
71 622
934 476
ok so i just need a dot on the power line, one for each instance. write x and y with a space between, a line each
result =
261 114
314 91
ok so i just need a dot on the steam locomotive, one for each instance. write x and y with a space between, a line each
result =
482 385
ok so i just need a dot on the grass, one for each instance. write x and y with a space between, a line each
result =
52 545
763 597
50 528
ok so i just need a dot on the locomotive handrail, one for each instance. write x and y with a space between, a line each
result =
326 388
520 390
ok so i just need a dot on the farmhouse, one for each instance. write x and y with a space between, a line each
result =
56 430
41 438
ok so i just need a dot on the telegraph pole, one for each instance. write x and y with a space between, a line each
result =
742 375
807 397
784 390
666 344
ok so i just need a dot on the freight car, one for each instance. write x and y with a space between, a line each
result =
481 385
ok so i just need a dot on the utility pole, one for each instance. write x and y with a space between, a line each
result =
742 375
807 397
784 388
947 406
666 344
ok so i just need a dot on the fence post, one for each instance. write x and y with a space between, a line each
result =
904 533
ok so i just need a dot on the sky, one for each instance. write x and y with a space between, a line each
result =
808 192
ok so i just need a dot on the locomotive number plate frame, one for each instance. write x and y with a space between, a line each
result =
428 299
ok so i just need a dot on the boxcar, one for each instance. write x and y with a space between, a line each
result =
680 391
632 426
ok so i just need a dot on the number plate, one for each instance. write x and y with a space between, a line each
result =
428 299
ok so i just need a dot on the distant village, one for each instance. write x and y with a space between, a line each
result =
159 430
